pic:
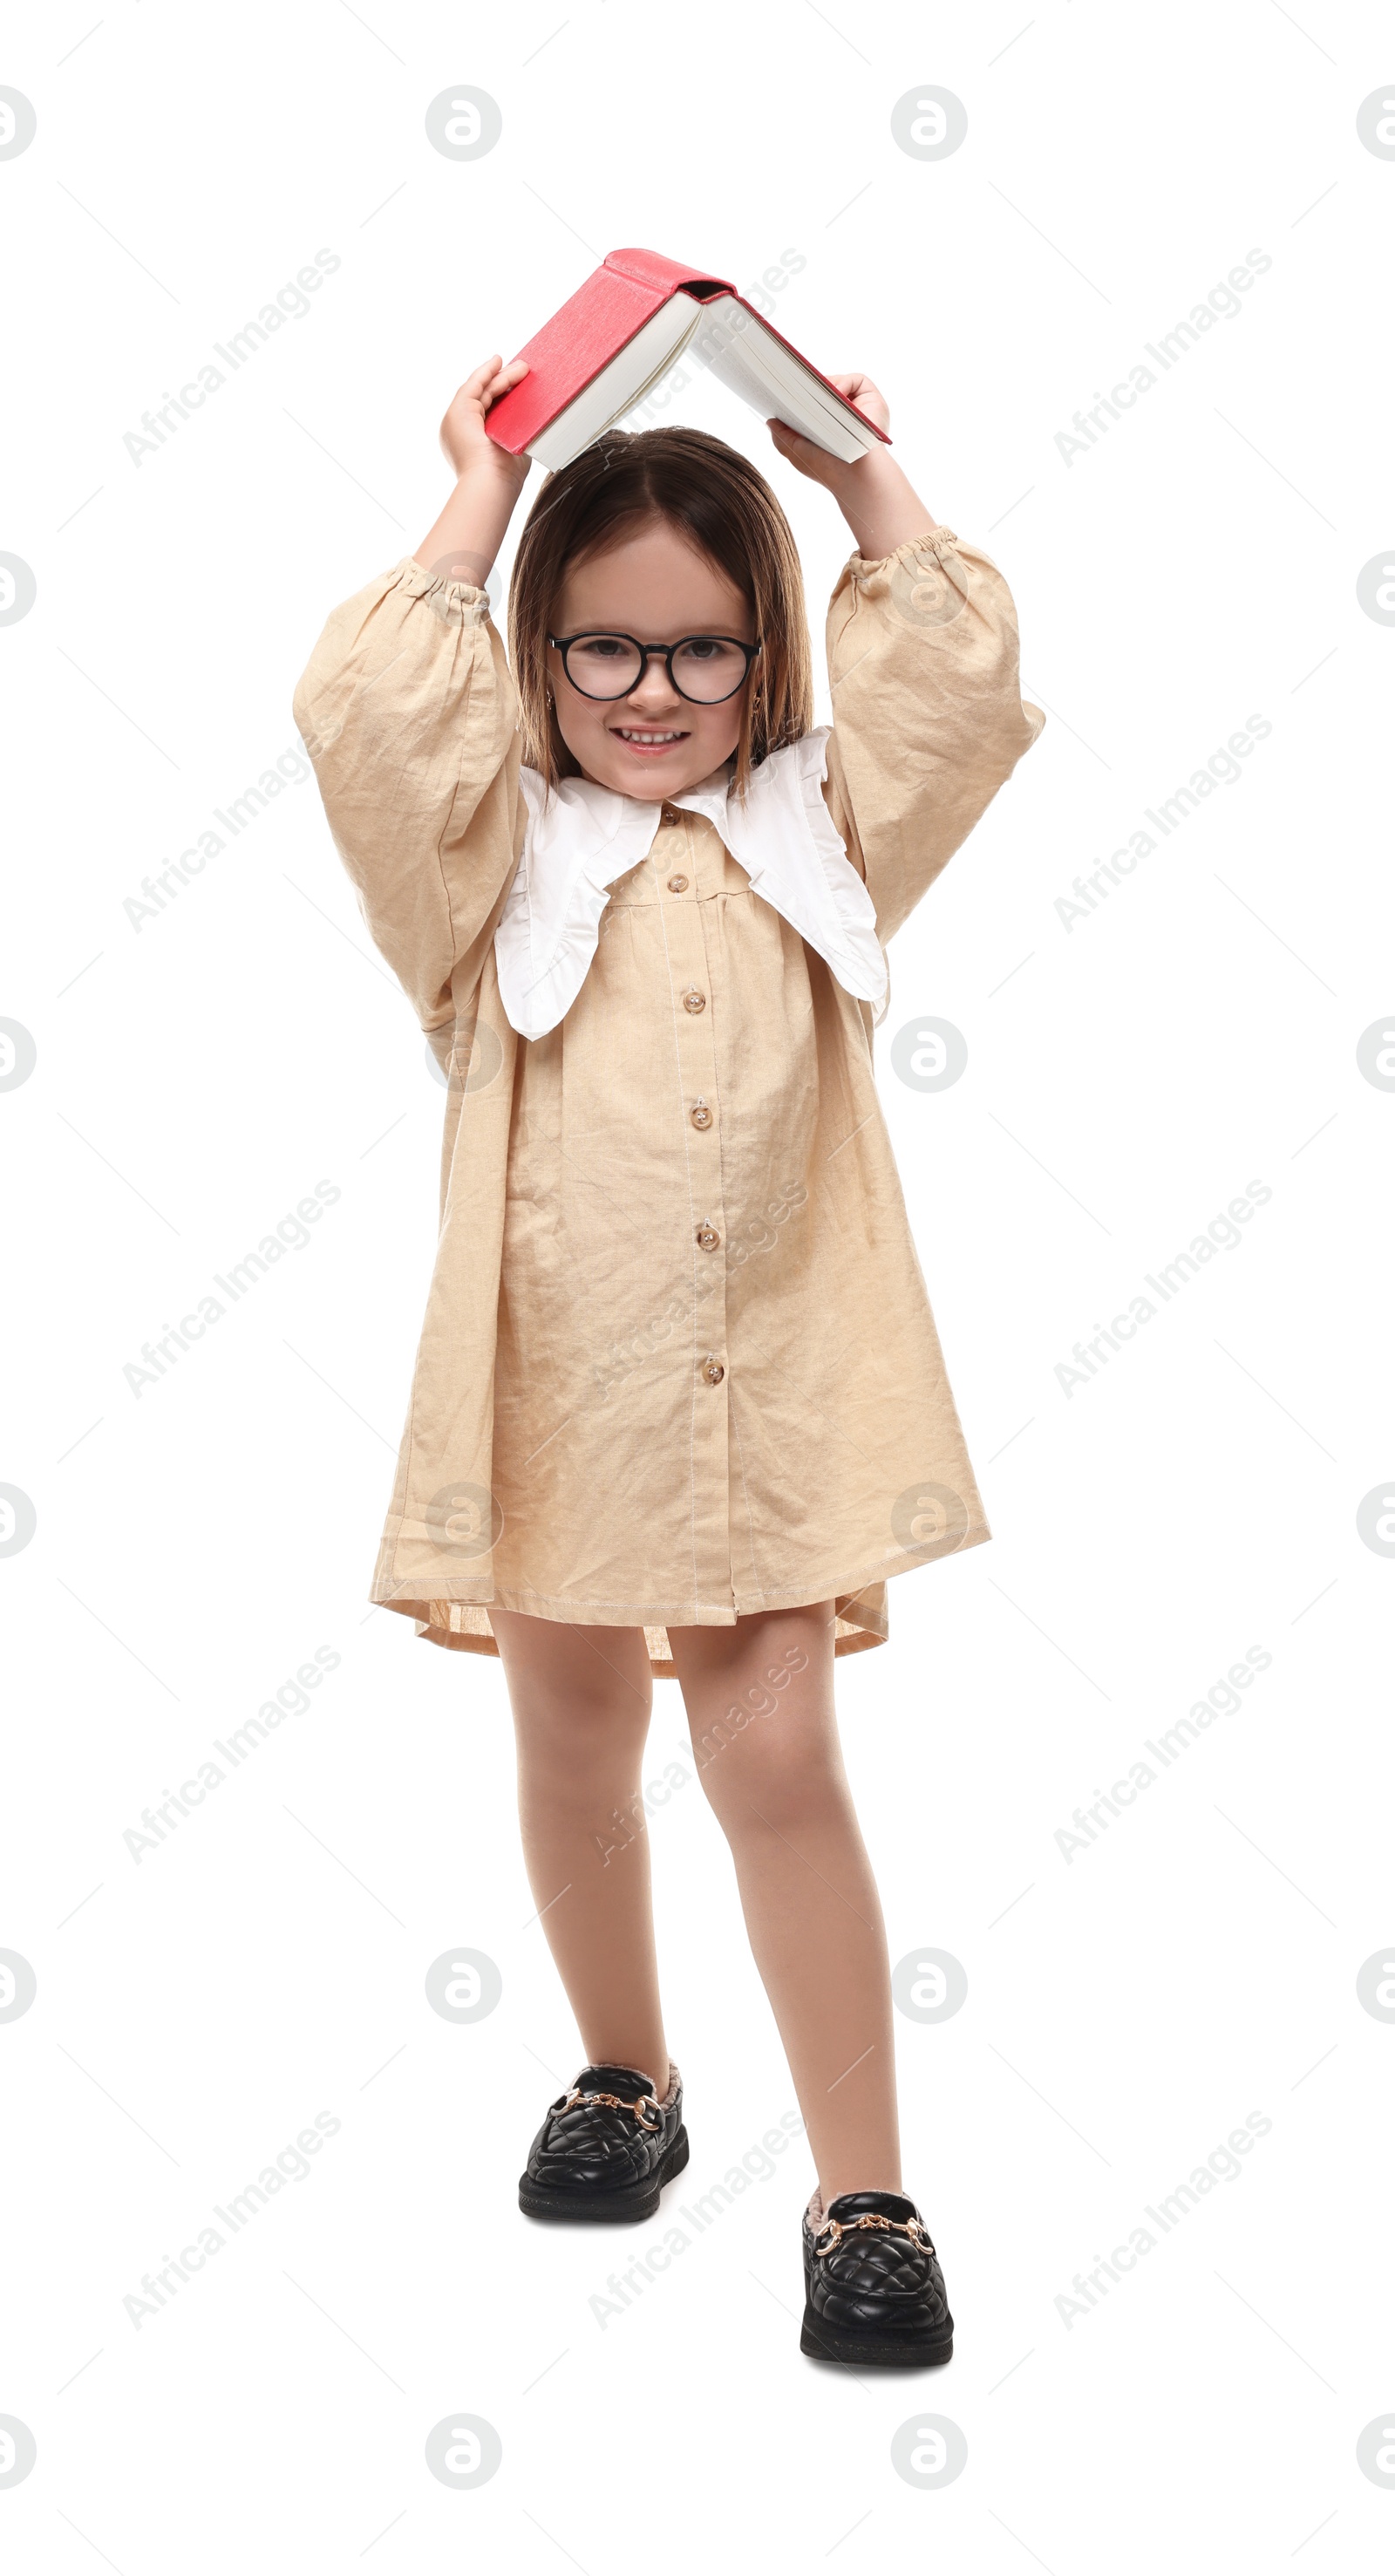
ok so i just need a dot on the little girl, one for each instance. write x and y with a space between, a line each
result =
679 1404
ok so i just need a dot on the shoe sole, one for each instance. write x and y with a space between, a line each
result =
825 2342
622 2208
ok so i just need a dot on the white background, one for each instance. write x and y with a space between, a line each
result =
1127 2008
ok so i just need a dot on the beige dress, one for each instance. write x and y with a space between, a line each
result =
678 1362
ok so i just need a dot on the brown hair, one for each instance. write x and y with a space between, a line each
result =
715 499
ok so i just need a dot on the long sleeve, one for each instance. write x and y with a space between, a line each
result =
928 716
407 710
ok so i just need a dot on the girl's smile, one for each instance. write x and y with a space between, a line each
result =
646 742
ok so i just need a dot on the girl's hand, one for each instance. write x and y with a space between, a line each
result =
816 461
470 530
873 494
465 439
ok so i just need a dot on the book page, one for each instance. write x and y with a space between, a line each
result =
625 381
753 363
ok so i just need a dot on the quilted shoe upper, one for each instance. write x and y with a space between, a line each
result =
599 2146
874 2279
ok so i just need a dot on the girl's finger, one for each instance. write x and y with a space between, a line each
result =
503 381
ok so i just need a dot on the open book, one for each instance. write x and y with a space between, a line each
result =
612 341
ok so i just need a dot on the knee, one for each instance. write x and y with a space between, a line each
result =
769 1774
582 1717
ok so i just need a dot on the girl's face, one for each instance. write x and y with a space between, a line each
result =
652 743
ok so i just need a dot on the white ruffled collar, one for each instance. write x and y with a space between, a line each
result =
582 837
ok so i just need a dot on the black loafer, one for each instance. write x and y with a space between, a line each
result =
873 2288
606 2148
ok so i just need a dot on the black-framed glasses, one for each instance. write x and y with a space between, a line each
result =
704 669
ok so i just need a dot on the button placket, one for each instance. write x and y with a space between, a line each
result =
694 1014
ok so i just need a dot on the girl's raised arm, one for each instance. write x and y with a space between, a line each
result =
928 714
465 539
878 502
408 712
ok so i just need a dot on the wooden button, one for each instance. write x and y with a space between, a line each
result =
700 1114
713 1370
668 813
708 1237
678 885
694 1001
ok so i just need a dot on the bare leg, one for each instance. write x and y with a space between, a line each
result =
769 1759
581 1701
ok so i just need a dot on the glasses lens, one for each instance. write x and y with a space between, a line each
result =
707 669
603 666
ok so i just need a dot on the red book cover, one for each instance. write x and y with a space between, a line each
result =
595 324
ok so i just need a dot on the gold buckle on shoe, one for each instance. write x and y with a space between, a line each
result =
835 2229
612 2102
